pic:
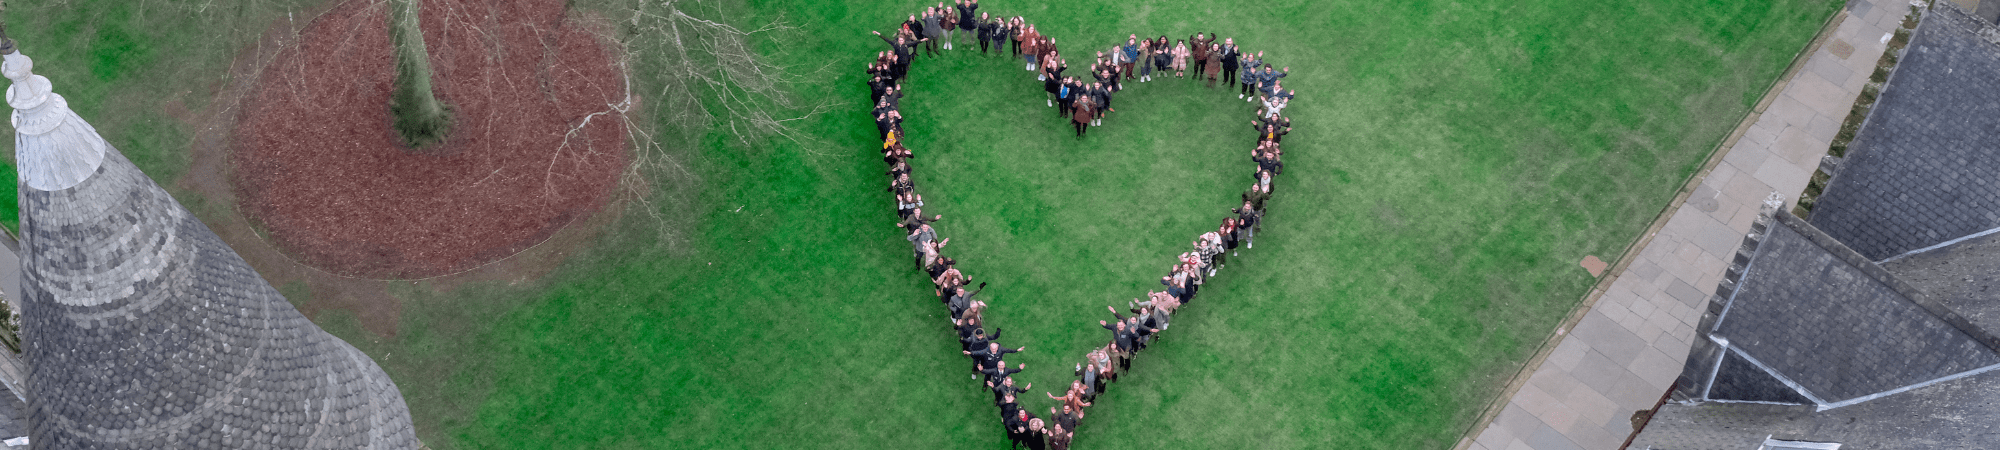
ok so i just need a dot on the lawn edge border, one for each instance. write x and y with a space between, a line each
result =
1589 300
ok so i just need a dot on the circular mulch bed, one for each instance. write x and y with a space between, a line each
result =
536 143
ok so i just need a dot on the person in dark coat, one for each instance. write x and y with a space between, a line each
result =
967 20
1037 436
1005 388
1199 47
999 370
1003 31
1231 236
901 50
987 27
1123 342
1229 54
1085 112
991 355
1248 217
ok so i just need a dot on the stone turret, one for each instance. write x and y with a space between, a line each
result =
142 329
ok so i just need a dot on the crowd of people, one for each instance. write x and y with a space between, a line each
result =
935 30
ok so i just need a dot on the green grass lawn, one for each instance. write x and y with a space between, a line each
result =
1450 164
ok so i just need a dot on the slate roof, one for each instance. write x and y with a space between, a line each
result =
1809 339
142 329
1964 276
1956 414
1923 170
1813 342
1839 326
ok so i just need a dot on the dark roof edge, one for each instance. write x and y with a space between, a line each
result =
1876 272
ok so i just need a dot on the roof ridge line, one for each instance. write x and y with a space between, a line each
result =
1875 271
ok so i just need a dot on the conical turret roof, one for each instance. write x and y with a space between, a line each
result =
142 329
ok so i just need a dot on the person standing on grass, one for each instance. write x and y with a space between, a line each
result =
1189 277
901 184
1253 77
1071 91
887 123
1101 94
1053 87
1273 106
900 168
1124 341
1214 65
927 253
1101 69
974 314
1003 32
1033 54
1267 159
1269 84
1053 64
916 223
1140 332
1024 36
1087 374
1006 387
1131 53
1209 251
977 339
902 50
1247 219
1257 198
1161 303
987 28
1014 421
877 86
1229 55
967 16
893 98
997 370
951 278
1202 45
908 204
1145 60
893 150
1085 111
933 30
948 19
1036 436
1072 399
1101 356
1180 59
1059 439
1197 54
1250 74
1068 415
1230 236
962 300
1268 131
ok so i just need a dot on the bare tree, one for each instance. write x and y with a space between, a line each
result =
419 117
697 74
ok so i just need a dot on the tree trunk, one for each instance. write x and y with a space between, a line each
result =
419 118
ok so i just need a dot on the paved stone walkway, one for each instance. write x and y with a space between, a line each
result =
1625 352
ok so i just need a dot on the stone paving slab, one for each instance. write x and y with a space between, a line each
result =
1625 352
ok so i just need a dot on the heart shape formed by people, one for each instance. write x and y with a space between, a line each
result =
1082 106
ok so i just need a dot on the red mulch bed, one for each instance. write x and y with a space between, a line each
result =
317 165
